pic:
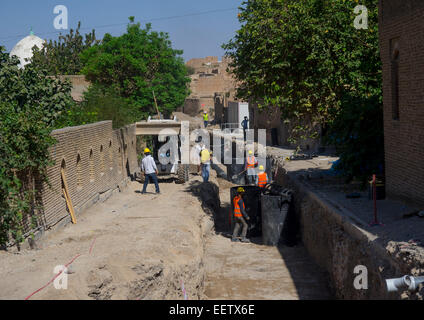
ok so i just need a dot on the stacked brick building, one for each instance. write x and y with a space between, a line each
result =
402 54
210 77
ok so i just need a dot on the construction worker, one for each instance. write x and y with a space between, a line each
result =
148 166
262 177
240 217
205 159
205 118
250 165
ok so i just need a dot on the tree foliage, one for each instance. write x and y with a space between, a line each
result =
62 56
99 104
136 64
30 106
307 58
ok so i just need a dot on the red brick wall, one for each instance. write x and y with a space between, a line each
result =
404 138
87 179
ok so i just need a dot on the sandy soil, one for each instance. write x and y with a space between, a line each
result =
132 246
150 246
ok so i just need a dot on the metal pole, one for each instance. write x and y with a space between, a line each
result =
374 195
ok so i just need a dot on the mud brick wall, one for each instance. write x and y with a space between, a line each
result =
96 159
401 22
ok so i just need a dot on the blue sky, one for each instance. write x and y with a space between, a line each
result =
198 35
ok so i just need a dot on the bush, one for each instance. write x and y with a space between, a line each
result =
30 106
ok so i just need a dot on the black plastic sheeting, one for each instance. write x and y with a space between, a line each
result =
235 173
279 225
252 203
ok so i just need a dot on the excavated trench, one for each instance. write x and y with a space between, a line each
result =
253 270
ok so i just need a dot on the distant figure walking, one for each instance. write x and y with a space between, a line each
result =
148 167
245 125
205 118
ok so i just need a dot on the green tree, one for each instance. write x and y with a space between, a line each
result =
136 64
100 103
307 58
62 56
30 106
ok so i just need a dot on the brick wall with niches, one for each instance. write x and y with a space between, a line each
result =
96 160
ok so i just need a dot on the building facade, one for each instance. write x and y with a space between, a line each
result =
402 55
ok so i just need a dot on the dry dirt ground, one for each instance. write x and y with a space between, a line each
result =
142 247
152 246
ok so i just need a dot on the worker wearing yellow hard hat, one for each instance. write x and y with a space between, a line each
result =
262 177
250 165
150 171
205 118
240 217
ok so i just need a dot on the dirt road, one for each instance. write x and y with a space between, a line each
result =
152 246
132 246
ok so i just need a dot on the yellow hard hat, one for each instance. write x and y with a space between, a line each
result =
250 152
147 150
261 167
240 189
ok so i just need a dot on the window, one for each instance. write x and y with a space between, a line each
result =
79 175
110 155
394 68
62 170
91 164
102 161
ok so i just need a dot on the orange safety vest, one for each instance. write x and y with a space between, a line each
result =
237 211
262 180
251 161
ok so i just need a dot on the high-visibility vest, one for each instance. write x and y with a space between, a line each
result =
205 155
251 161
205 117
262 179
237 211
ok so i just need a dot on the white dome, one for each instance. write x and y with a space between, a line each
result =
23 49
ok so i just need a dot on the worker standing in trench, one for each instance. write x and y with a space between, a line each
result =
261 178
240 216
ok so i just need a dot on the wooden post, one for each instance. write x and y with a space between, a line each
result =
65 191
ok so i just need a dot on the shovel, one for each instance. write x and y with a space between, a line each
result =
237 175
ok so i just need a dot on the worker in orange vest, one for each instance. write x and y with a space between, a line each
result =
250 165
262 177
240 217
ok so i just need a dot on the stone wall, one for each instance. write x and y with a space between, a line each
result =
337 243
79 85
402 55
96 159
